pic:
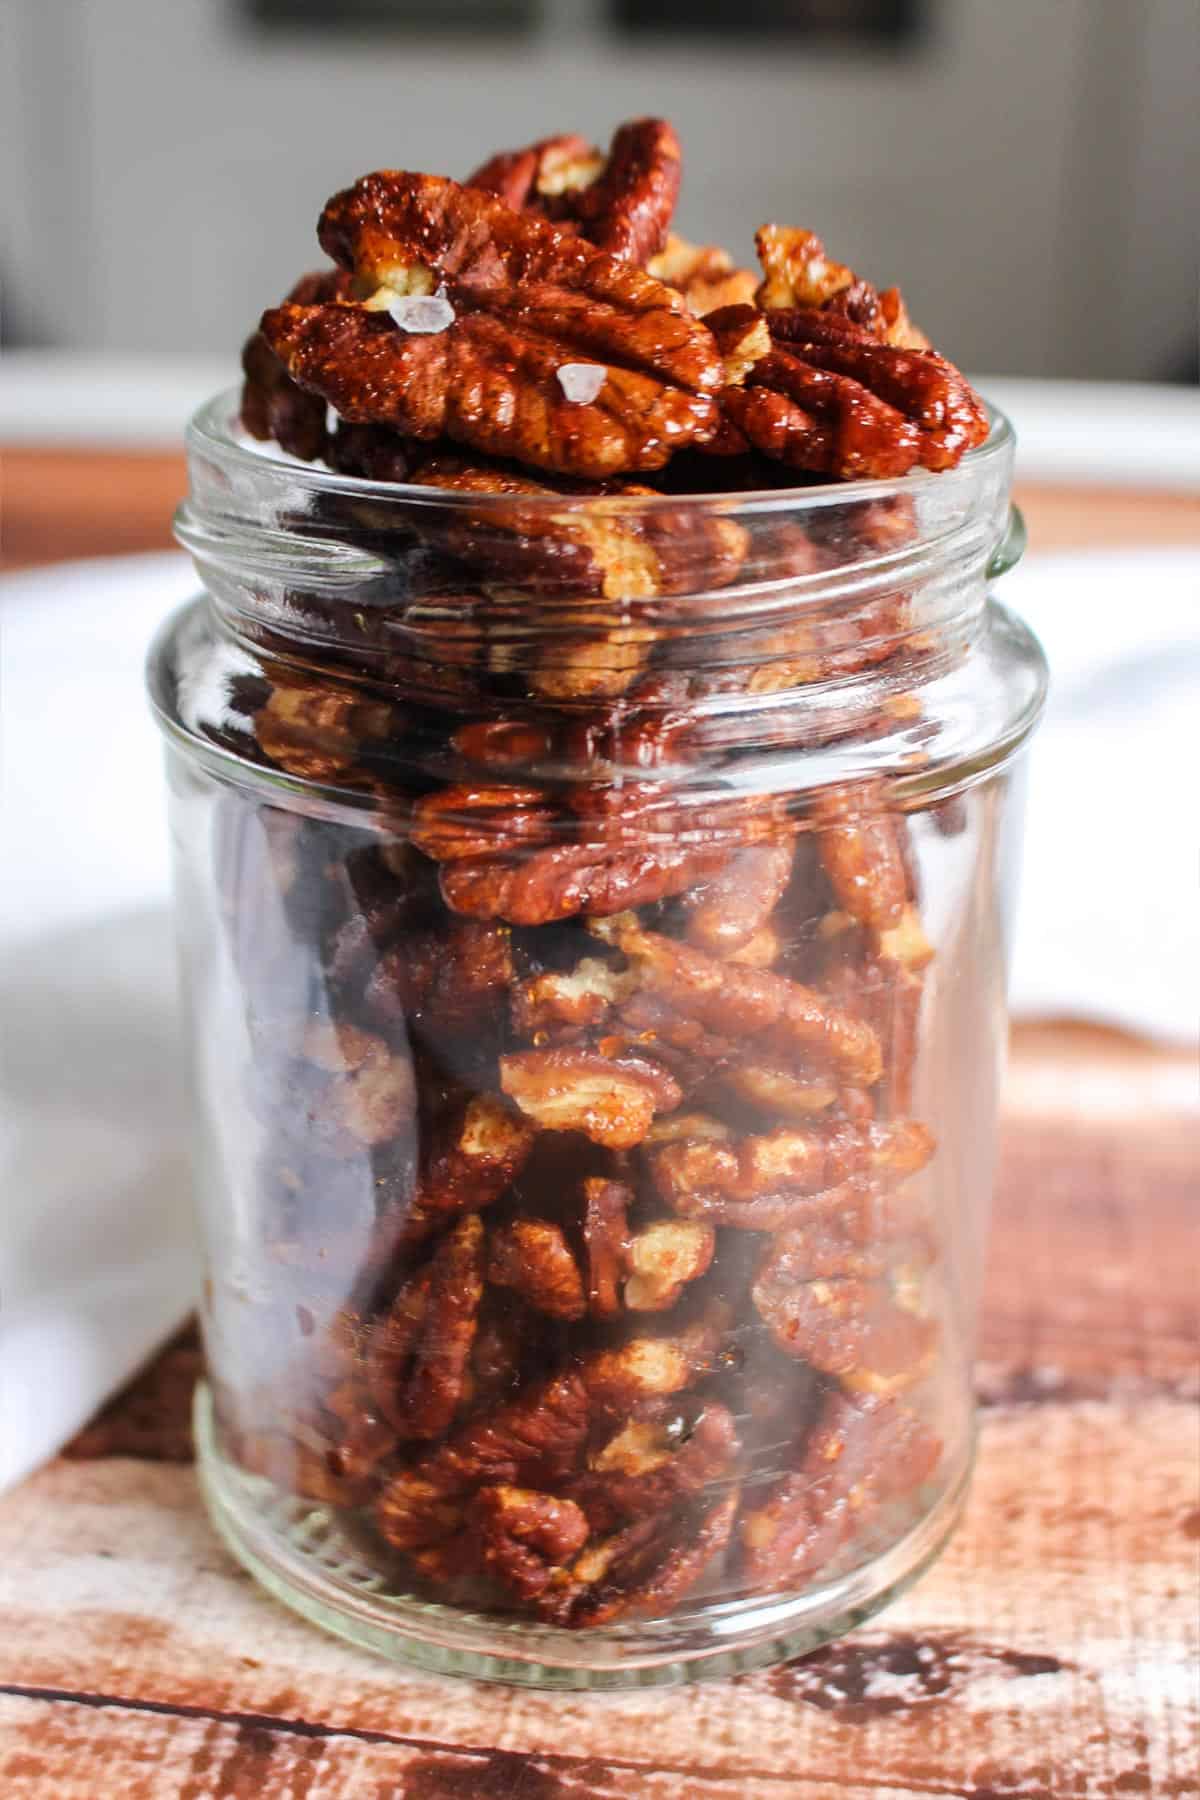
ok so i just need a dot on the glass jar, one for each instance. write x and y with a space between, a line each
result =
594 918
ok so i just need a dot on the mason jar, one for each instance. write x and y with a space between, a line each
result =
594 915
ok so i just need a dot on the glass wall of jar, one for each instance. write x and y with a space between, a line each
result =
594 918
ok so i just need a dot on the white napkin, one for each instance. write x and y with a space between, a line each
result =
97 1255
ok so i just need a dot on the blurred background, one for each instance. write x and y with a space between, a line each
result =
1028 169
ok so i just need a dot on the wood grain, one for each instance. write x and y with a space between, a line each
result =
1048 1655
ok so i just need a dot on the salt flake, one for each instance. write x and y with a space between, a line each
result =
581 382
423 314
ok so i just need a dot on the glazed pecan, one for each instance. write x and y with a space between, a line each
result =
369 1094
272 404
606 1242
522 302
559 1005
612 1101
663 1258
534 1440
445 980
533 1257
468 1165
782 1092
820 394
648 1467
646 1569
797 273
744 1002
828 1299
316 729
527 1538
724 913
761 1182
622 203
703 274
861 1455
419 1351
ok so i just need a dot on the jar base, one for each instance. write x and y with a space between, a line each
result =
295 1549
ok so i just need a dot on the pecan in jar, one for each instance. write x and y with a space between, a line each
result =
623 202
521 304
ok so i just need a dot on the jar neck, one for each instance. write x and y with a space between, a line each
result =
654 631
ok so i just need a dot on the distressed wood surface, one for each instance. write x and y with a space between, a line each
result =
1050 1654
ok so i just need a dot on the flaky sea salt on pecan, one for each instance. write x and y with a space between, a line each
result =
526 300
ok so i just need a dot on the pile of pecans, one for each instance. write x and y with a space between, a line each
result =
585 1188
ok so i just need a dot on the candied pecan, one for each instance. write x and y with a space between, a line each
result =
560 1003
836 401
467 1167
606 1242
761 1182
797 272
523 301
723 913
534 1440
663 1258
862 1454
316 730
527 1537
453 978
786 1093
648 1467
703 274
533 179
564 879
369 1096
642 1369
622 203
828 1301
272 405
533 1257
456 823
419 1352
861 854
612 1101
630 1577
745 1002
413 1513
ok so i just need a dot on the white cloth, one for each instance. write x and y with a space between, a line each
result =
97 1253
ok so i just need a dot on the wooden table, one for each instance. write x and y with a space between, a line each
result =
1051 1654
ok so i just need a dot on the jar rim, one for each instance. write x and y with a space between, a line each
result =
213 430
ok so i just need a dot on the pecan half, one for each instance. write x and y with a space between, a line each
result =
467 1165
643 1571
419 1352
828 1300
524 301
533 1257
762 1183
744 1002
606 1243
703 274
663 1258
612 1101
527 1538
820 394
273 406
724 913
861 1455
649 1467
622 203
797 272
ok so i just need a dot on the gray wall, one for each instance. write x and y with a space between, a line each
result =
1028 174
